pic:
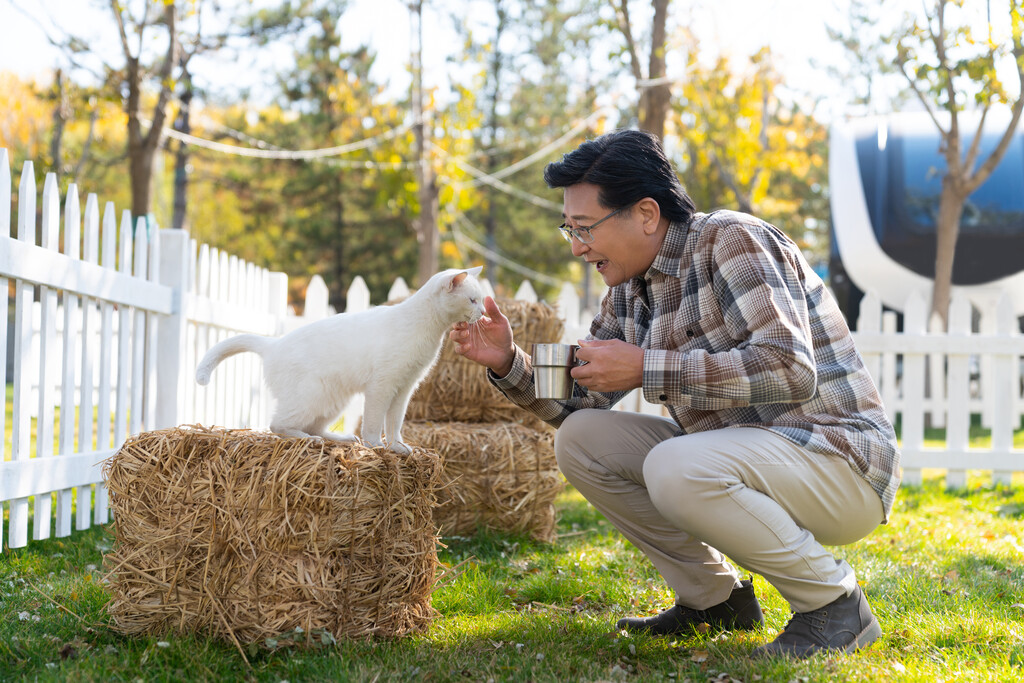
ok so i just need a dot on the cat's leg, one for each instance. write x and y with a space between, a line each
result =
395 419
338 437
281 430
321 426
376 401
298 424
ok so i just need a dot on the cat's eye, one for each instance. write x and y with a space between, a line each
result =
472 300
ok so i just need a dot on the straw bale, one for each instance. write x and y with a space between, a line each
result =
457 389
246 535
499 476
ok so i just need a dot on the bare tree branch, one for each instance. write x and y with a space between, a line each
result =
622 15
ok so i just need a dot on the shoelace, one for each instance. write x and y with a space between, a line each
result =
816 619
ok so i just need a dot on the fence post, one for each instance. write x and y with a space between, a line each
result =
171 337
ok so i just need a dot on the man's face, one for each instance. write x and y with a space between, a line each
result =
624 245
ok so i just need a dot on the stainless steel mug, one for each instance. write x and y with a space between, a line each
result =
551 366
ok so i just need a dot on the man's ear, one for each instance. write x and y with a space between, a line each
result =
650 211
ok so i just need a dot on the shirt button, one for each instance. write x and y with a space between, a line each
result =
662 397
689 333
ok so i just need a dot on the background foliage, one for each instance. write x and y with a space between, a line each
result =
527 72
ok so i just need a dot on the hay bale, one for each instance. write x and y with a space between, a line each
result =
497 476
245 535
457 389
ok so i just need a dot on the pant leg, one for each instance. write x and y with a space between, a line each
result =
768 504
602 453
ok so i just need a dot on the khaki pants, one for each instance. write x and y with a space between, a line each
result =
687 501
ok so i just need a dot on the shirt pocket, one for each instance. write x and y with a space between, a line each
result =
701 333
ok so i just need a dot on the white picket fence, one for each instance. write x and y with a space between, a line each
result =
928 375
109 329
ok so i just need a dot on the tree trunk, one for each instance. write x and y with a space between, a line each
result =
182 125
60 117
951 208
426 225
655 100
142 146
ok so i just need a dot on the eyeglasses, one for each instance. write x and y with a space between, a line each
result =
583 233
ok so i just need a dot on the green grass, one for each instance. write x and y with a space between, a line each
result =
945 580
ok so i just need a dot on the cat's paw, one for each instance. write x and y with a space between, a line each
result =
339 438
400 448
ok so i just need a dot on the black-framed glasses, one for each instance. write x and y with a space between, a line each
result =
583 233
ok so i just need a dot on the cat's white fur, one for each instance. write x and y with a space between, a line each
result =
382 353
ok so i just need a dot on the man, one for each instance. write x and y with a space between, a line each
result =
778 443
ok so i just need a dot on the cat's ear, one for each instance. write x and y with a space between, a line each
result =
456 280
475 271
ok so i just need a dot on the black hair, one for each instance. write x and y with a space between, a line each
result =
626 165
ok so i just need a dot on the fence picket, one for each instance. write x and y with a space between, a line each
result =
870 321
72 239
140 269
935 383
889 389
5 230
124 335
21 434
958 421
86 433
105 416
914 322
1004 393
399 290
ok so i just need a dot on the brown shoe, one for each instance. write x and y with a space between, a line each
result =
741 612
844 625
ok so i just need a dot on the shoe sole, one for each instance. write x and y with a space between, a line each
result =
870 634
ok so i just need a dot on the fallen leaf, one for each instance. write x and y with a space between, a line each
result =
699 656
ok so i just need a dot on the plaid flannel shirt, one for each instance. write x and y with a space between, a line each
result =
739 331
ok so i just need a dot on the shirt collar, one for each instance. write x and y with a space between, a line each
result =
669 258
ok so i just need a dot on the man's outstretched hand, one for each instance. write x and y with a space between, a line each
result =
488 341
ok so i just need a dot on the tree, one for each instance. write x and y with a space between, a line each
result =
426 223
524 61
655 92
747 149
866 64
946 67
143 143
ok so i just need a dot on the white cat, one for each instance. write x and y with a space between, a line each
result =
383 353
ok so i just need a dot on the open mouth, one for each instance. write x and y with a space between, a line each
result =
600 265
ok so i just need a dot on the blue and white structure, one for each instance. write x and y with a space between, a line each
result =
885 175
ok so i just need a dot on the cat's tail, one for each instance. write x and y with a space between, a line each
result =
227 348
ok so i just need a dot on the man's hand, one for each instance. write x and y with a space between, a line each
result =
488 341
611 365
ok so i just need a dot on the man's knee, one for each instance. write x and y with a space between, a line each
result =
679 478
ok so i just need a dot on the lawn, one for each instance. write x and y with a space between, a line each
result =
945 580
